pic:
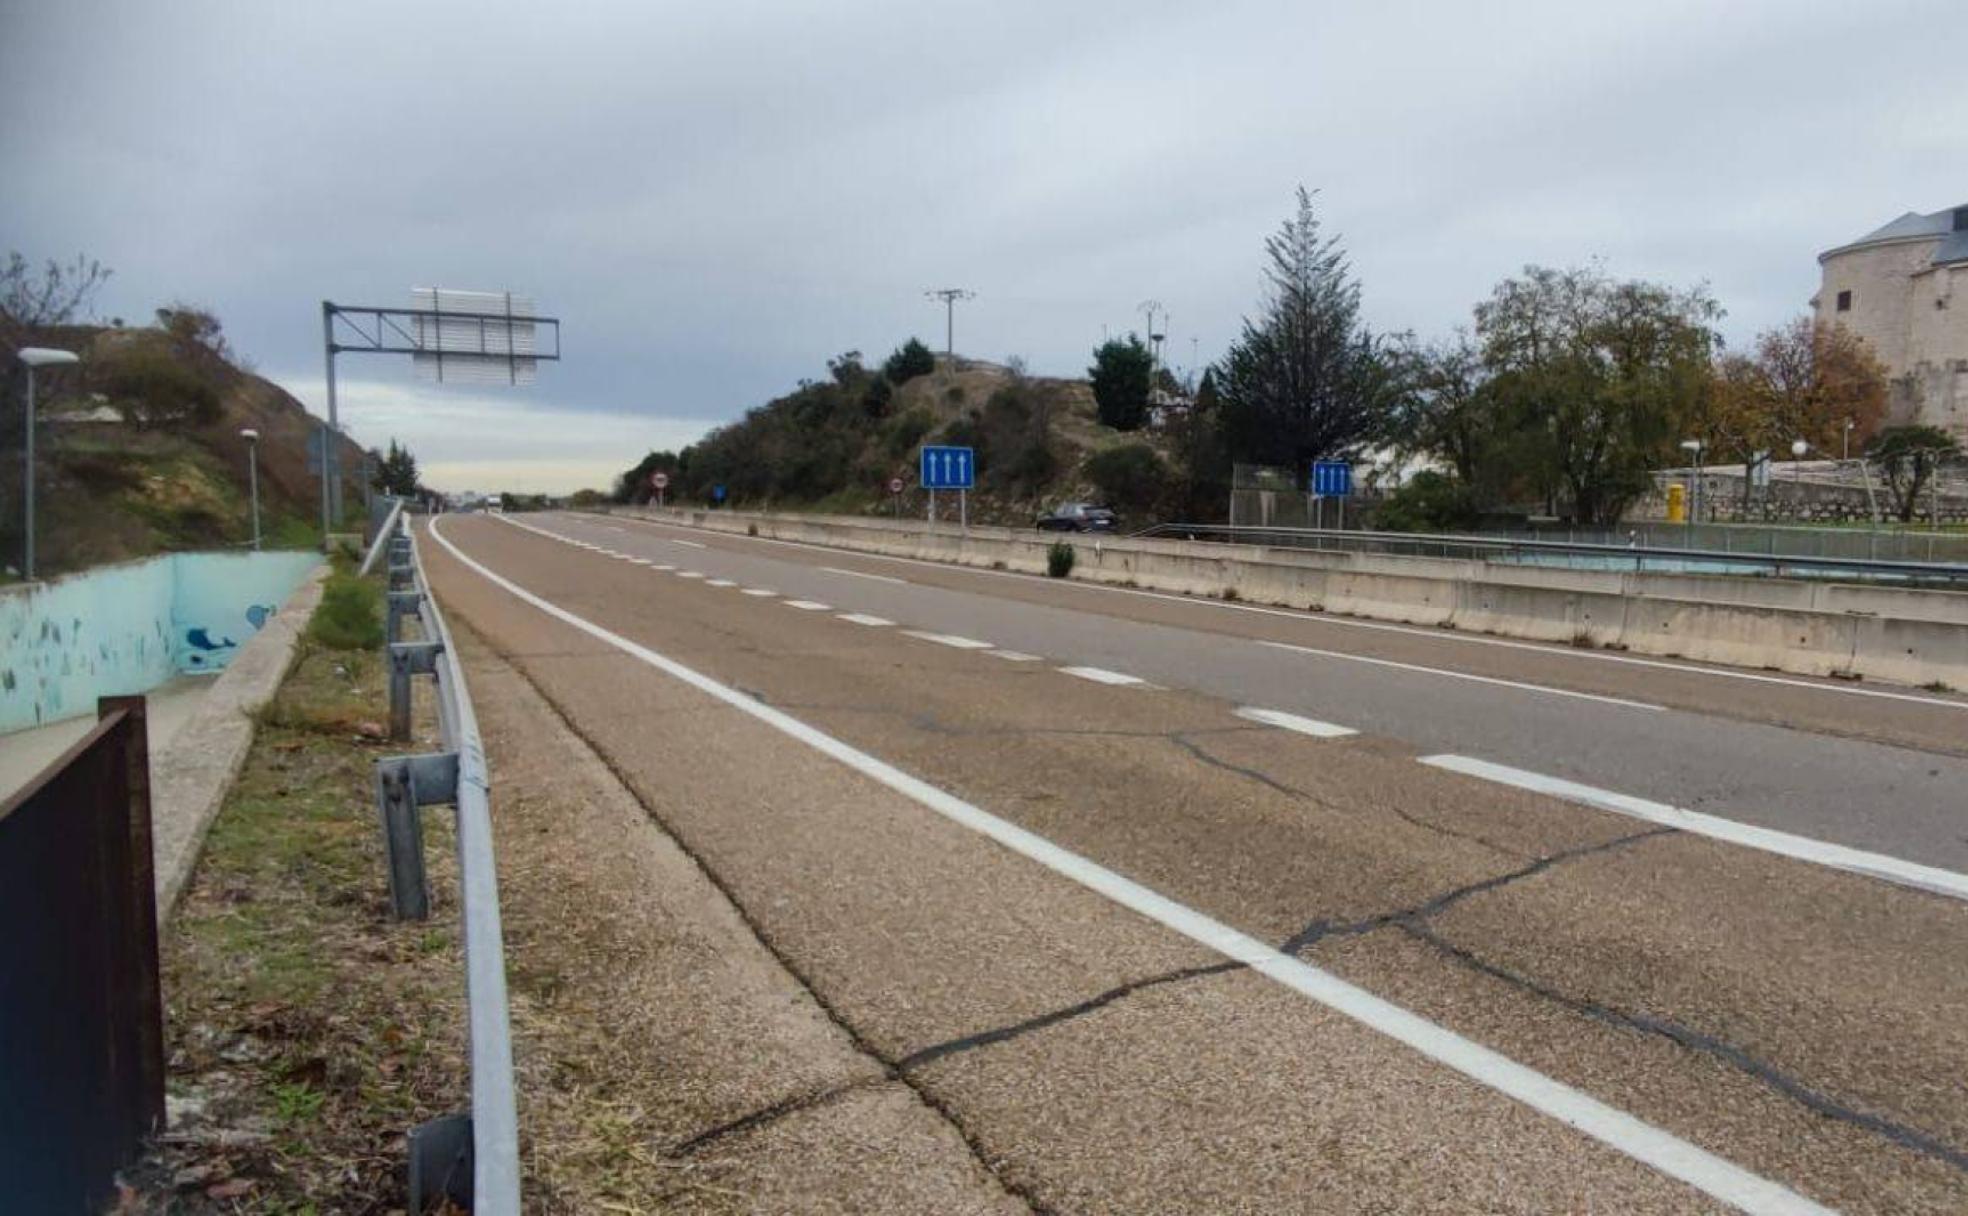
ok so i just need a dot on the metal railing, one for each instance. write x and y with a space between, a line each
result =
383 533
471 1159
81 1016
1573 555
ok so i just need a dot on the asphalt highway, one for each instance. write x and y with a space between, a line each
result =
1174 905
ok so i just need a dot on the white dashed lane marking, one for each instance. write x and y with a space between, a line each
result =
762 591
862 618
1014 656
688 574
1100 675
1292 722
808 605
719 582
948 639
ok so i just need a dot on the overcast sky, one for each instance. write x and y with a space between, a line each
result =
715 197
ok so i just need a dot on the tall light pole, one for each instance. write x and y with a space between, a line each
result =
950 296
34 357
252 438
1695 495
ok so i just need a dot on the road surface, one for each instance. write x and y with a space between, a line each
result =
1176 905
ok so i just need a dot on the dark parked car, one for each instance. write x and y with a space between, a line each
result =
1078 517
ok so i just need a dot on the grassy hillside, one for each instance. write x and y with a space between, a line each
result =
833 445
110 489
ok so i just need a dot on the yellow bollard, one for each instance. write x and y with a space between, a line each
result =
1677 503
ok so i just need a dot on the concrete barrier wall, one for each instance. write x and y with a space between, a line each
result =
1901 635
127 628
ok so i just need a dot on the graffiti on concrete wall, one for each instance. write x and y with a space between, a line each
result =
128 628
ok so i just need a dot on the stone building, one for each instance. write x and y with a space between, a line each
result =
1903 288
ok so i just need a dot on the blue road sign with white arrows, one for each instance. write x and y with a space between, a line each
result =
1332 478
948 468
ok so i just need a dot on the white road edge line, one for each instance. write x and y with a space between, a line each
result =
1624 1133
1326 618
1769 840
878 578
691 543
862 618
1466 675
948 639
1292 722
1100 675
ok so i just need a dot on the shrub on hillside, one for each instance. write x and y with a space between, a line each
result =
152 387
1016 426
349 616
1131 476
911 359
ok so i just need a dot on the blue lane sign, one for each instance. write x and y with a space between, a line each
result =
717 492
948 468
1332 478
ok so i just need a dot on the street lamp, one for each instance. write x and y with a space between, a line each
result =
1694 493
252 438
35 357
1797 449
1847 454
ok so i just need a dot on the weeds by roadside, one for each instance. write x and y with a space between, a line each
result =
306 1031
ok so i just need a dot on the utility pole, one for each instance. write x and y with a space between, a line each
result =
950 296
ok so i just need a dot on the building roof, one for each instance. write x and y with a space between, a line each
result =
1949 226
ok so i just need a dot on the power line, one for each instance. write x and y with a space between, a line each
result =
950 296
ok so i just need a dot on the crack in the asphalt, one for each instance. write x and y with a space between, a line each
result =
1319 930
773 1112
1186 741
1000 1034
1694 1040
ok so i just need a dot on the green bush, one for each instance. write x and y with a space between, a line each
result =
1059 559
1429 502
910 360
1131 476
350 614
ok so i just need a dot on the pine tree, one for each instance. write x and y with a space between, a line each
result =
1307 379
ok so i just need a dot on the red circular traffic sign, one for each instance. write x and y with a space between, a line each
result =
659 480
895 485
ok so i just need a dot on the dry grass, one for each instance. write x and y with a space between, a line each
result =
307 1031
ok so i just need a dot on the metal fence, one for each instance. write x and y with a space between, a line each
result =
471 1159
1631 556
81 1020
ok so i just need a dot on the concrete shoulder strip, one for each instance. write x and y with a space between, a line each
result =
191 776
1642 1141
1802 848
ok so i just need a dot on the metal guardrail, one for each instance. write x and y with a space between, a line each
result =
1574 555
383 533
471 1159
82 1018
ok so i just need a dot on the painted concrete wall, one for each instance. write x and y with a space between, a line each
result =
127 628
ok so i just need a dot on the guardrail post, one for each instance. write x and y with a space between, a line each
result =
407 659
403 838
402 604
441 1163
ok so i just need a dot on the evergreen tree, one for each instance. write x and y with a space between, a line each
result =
396 471
1120 375
1307 380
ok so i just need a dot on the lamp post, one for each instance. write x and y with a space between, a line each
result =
1694 446
34 357
1847 452
1797 449
252 438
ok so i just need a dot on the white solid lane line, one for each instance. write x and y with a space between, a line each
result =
862 618
1327 618
1801 848
1100 675
719 582
763 591
948 639
1464 675
807 605
1304 726
879 578
1636 1138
